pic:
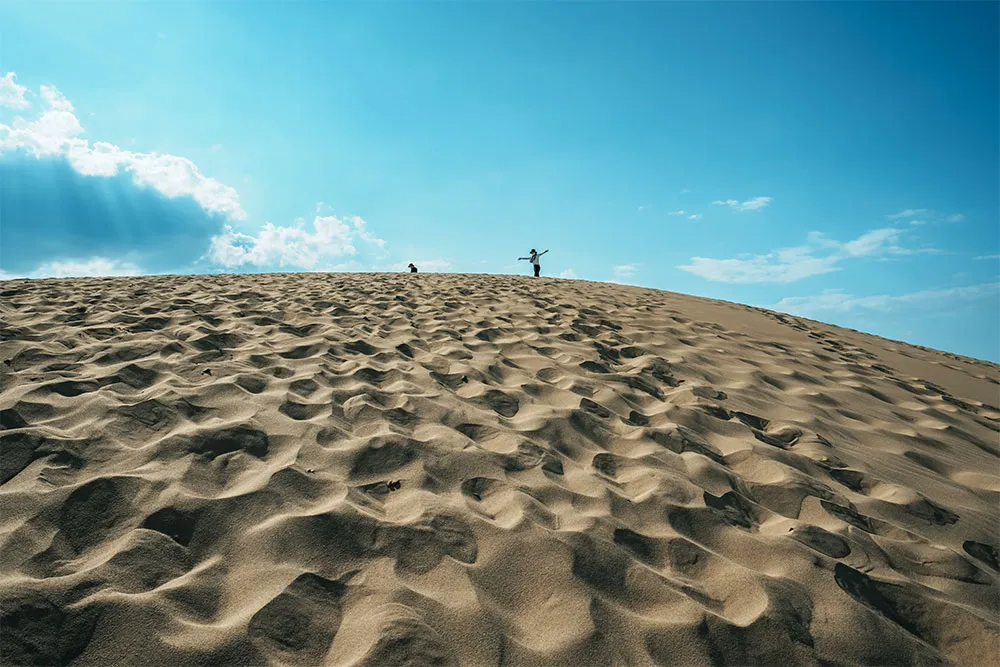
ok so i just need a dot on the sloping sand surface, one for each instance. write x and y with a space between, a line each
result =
479 470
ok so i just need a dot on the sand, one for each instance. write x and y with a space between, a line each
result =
342 469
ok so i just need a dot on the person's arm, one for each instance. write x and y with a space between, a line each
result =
520 258
540 254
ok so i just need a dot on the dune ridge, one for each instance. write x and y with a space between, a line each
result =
382 469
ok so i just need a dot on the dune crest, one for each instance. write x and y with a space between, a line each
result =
312 469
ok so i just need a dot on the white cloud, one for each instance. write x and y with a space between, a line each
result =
12 93
694 216
684 191
918 222
839 301
988 257
908 213
754 204
95 266
568 274
216 148
49 134
296 246
57 130
680 212
625 270
821 255
55 100
641 209
958 217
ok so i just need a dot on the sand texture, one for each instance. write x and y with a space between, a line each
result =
316 469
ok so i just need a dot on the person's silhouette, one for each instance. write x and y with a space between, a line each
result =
413 269
533 258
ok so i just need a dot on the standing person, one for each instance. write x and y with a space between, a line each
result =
534 260
413 269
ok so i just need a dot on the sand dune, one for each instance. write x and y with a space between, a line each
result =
472 470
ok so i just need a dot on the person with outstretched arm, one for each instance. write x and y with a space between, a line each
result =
413 269
534 260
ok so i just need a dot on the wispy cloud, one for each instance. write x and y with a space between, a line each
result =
641 209
755 204
981 257
820 255
12 93
781 266
842 302
694 216
625 270
679 212
568 274
361 227
921 216
216 148
295 246
875 242
56 132
908 213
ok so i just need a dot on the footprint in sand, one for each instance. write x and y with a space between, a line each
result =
650 550
177 524
37 630
305 387
384 454
136 376
99 509
213 443
450 380
301 411
821 540
72 388
501 402
733 509
148 561
360 347
303 619
984 552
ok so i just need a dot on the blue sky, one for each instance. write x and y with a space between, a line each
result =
838 161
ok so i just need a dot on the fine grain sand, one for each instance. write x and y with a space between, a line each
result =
477 470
